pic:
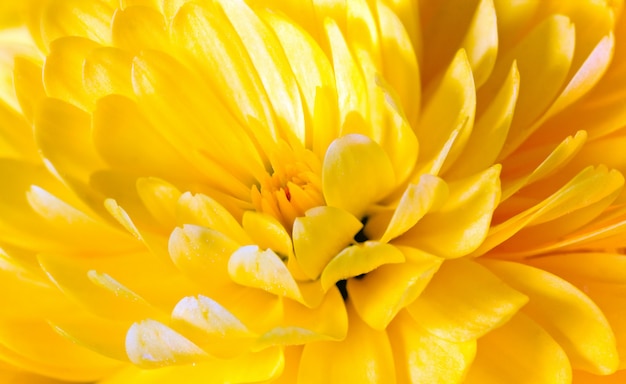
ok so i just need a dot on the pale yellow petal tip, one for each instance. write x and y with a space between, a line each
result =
151 344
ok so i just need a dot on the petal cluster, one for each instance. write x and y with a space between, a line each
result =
367 191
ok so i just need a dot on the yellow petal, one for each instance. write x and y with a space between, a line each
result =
107 71
118 303
543 57
383 292
271 65
577 202
582 377
63 134
599 267
202 210
448 116
268 233
118 126
359 259
92 234
205 31
23 284
461 224
62 71
365 356
302 325
588 75
350 84
400 67
150 344
465 301
320 236
249 368
28 85
361 29
155 84
418 199
491 129
18 219
396 136
422 357
314 74
444 25
47 353
254 268
155 242
531 356
136 28
571 318
347 171
215 328
95 333
159 198
16 135
481 41
89 19
559 157
202 253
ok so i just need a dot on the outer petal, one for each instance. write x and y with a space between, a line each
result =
249 368
422 357
464 301
570 317
519 352
365 356
47 353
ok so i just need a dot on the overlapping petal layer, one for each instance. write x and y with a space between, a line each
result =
312 191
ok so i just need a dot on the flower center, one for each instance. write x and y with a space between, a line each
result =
293 185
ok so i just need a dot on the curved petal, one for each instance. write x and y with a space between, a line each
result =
150 344
347 171
463 221
383 292
320 236
214 327
571 318
251 267
448 117
365 356
422 357
202 210
531 356
464 301
359 259
268 233
47 353
249 368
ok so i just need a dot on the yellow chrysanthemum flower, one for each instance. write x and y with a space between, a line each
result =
324 191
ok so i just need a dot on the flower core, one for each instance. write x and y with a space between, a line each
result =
291 187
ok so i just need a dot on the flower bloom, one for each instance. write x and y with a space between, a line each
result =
313 191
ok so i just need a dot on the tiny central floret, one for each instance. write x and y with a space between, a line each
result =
291 187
